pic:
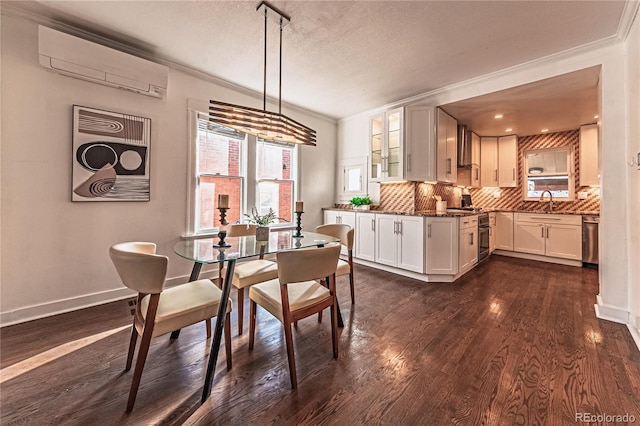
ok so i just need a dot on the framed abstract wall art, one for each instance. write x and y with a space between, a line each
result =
110 156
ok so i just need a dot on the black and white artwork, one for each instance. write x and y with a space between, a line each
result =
110 156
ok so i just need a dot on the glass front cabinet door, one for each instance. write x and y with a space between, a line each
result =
387 140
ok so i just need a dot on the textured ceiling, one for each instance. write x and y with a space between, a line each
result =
342 57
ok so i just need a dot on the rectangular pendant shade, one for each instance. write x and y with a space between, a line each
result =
267 125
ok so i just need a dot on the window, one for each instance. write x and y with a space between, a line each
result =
549 170
218 171
274 170
353 178
254 173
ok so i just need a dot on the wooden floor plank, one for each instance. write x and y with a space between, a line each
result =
512 342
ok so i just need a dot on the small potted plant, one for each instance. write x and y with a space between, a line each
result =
263 222
361 203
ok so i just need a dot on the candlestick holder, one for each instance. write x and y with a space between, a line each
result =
298 225
222 234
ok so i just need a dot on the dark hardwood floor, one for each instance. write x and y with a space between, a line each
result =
512 342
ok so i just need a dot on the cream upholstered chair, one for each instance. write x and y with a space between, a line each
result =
345 233
247 273
161 311
295 294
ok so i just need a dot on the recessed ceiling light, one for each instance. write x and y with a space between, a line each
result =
544 130
595 116
497 116
508 130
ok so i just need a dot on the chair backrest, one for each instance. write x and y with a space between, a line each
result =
241 230
308 263
342 231
139 267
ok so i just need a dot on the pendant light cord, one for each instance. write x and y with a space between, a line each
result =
280 77
264 96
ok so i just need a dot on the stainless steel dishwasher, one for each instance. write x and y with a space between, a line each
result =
590 240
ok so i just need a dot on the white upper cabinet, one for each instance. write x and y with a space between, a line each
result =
386 139
508 161
589 170
499 161
447 147
489 161
420 143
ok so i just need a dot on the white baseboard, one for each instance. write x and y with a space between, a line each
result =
539 258
610 313
47 309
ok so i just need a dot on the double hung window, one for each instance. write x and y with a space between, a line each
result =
252 172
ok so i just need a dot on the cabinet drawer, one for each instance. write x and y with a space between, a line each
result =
565 219
467 222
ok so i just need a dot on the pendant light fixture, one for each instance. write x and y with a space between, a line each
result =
273 126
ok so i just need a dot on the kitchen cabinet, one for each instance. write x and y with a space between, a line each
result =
548 235
469 176
441 246
447 147
468 243
342 217
589 169
504 231
365 236
499 161
338 216
489 162
492 232
400 241
386 140
420 143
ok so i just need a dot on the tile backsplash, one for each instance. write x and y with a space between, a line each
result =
409 197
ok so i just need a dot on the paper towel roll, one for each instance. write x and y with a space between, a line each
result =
441 207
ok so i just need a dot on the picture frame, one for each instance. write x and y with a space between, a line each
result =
110 156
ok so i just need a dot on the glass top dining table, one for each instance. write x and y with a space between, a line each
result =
204 251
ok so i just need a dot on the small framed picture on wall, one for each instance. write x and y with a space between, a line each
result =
110 156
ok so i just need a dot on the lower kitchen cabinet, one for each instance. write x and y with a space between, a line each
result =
492 232
400 241
468 243
504 231
442 246
365 238
337 216
548 235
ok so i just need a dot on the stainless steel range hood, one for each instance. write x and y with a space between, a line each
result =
464 146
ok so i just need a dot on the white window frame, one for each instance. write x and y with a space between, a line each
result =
248 164
570 174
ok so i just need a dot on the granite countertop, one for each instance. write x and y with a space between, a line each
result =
466 213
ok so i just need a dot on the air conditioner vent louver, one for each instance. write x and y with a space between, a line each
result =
78 58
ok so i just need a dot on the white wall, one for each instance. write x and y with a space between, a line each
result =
632 52
55 252
615 218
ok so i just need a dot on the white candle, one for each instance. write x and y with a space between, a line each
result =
299 208
223 201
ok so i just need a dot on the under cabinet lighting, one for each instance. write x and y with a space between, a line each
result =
508 130
544 130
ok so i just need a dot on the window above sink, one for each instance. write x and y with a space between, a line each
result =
549 169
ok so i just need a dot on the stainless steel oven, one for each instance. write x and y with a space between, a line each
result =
483 236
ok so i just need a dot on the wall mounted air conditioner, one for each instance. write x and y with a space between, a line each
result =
78 58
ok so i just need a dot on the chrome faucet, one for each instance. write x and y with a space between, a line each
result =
550 198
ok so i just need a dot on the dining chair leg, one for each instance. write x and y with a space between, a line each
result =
240 310
132 346
353 297
290 355
208 324
334 316
227 339
142 357
252 323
